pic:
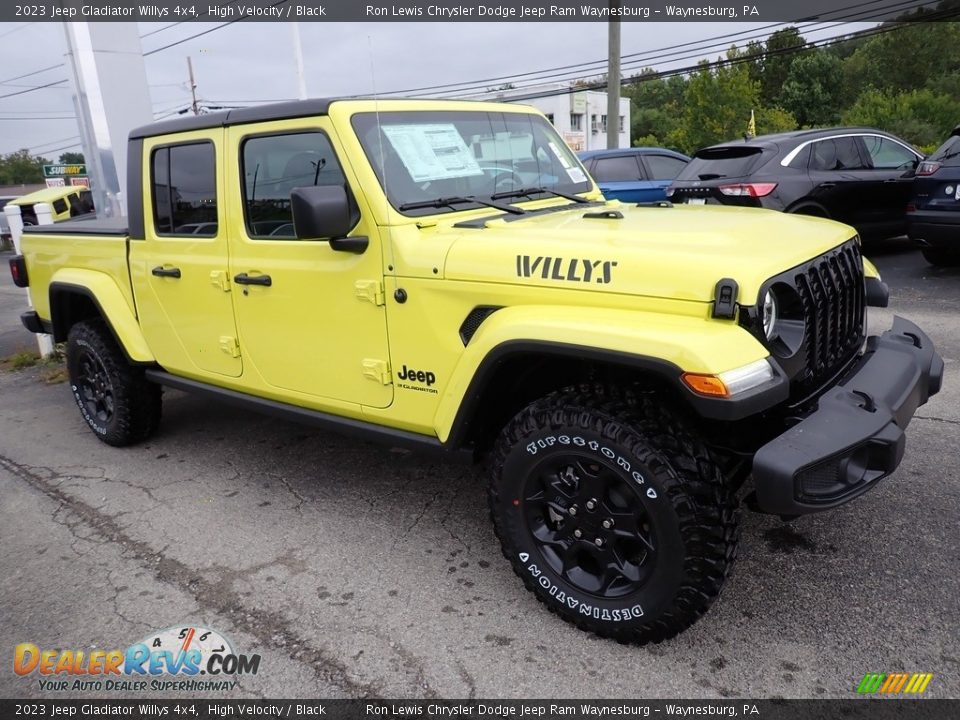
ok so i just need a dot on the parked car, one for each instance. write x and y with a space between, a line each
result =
933 215
634 174
859 176
66 202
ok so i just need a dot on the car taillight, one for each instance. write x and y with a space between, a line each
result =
18 270
754 190
927 167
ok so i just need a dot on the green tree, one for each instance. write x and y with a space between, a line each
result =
716 106
774 120
813 90
21 167
71 158
780 51
921 117
655 105
905 58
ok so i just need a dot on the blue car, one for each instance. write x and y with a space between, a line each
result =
634 175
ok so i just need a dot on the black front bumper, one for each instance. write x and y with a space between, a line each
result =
855 436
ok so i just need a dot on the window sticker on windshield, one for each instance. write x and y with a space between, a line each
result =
432 152
576 175
561 157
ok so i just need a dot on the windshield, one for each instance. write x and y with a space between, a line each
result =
425 156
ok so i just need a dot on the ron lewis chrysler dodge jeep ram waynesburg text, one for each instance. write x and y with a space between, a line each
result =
445 275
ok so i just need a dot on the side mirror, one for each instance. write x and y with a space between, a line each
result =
324 211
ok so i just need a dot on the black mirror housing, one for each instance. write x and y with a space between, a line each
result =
321 211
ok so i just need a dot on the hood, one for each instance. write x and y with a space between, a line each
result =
677 252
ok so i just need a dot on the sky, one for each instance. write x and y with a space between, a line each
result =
248 62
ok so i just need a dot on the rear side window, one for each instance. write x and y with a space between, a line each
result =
664 167
184 179
273 165
722 162
885 154
948 154
836 154
59 206
616 169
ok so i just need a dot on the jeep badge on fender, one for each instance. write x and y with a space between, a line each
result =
631 375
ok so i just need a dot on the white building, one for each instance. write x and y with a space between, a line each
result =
580 117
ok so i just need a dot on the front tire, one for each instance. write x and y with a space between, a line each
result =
941 257
613 514
115 399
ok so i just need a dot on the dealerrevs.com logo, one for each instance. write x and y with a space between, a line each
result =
190 658
894 683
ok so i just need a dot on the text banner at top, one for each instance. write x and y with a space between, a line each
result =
475 11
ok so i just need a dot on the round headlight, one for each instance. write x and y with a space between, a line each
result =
770 315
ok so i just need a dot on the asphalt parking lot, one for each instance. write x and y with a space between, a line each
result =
357 570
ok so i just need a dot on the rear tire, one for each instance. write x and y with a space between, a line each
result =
115 399
941 257
613 513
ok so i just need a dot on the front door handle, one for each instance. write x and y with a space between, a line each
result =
828 185
161 271
244 279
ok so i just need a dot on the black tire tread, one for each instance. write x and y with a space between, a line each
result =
941 257
138 403
702 500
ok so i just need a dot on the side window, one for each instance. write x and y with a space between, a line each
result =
663 167
616 169
184 179
836 154
273 165
59 206
885 154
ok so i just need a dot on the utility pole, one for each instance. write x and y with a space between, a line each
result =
193 87
298 54
613 77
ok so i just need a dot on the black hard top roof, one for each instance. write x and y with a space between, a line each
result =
238 116
257 113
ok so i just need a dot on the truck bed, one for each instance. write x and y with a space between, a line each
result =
87 252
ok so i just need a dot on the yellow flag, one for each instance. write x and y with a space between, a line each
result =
752 126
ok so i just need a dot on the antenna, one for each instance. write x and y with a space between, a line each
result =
193 87
383 163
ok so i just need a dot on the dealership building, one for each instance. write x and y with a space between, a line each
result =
580 116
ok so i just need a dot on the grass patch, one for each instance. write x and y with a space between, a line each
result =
54 376
21 360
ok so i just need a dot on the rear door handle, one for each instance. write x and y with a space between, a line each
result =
161 271
828 185
244 279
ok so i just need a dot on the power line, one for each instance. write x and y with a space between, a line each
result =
207 32
54 142
30 74
659 53
730 62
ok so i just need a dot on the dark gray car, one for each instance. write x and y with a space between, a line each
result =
860 176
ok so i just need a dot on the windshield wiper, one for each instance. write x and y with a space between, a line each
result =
460 200
527 192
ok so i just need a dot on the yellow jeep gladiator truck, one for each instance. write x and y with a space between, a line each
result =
444 275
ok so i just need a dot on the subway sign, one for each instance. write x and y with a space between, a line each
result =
55 171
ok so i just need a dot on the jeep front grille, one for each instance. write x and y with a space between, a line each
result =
831 290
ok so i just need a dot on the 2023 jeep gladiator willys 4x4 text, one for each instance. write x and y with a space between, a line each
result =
444 275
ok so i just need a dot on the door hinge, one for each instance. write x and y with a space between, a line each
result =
370 291
229 345
220 279
377 370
